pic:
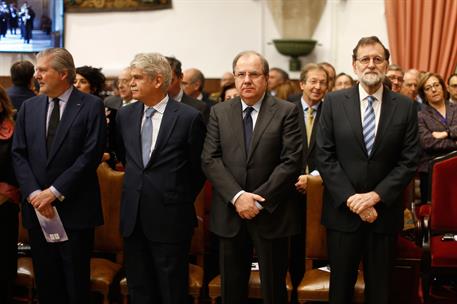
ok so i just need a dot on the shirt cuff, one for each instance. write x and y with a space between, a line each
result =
315 173
258 205
237 196
56 192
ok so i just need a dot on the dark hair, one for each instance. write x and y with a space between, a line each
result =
423 80
450 77
369 41
225 88
176 66
344 74
284 74
265 65
8 109
94 76
22 73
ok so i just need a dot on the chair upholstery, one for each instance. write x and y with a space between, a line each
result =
25 275
107 240
197 250
254 292
315 283
440 256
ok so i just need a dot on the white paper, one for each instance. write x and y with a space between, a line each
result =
53 229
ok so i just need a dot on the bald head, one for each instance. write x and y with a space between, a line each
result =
410 82
193 82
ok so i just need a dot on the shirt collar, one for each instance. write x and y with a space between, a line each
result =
65 96
160 107
306 106
378 94
256 106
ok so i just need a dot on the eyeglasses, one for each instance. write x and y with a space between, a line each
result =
393 78
252 75
435 86
314 82
366 60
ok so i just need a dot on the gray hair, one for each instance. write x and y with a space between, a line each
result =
61 61
153 64
265 65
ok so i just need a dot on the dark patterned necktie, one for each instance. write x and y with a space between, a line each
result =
248 128
54 120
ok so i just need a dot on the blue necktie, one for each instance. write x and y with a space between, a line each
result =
369 125
248 128
146 135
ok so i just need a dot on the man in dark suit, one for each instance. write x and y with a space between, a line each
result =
252 156
177 93
313 83
160 143
193 82
367 154
57 147
22 77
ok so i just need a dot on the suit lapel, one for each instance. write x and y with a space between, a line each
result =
266 113
137 117
352 109
166 127
72 108
236 120
388 106
312 141
43 113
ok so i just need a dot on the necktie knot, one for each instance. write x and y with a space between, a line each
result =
149 112
248 110
370 100
56 101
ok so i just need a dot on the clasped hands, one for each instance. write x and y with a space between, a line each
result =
362 204
42 202
246 206
302 183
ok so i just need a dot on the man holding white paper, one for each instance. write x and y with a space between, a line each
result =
57 147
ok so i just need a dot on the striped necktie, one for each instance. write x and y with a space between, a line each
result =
369 125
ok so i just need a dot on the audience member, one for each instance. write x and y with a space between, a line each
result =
364 178
22 77
288 88
193 82
437 125
343 81
176 91
226 78
452 88
160 143
395 75
9 200
410 81
90 80
125 93
331 72
229 91
251 156
57 146
313 82
276 77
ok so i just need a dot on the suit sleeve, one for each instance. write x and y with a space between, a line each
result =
91 153
335 179
196 137
23 171
212 163
430 143
394 183
120 148
290 164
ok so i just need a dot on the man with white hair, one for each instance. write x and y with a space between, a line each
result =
159 142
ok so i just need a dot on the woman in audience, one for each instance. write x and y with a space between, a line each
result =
343 81
228 91
90 80
283 91
9 200
437 125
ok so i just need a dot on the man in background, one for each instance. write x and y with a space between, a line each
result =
276 77
193 82
395 75
452 88
23 82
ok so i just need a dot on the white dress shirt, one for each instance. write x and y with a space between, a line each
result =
376 104
156 119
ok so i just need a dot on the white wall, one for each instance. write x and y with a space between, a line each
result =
207 34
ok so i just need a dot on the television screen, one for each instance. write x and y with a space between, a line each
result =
31 26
